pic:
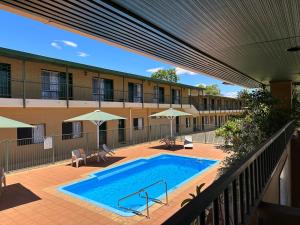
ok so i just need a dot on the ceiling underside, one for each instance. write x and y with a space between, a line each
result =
239 41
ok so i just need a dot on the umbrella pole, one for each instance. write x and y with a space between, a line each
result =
98 127
171 125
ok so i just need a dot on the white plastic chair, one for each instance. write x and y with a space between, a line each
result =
188 142
107 149
77 156
2 180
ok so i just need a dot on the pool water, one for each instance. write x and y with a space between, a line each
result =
106 187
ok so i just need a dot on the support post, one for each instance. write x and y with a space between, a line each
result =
24 81
157 95
143 95
123 91
99 91
67 85
181 97
282 90
171 97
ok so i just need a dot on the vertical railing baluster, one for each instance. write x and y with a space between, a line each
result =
216 211
234 203
242 208
202 217
247 190
226 207
255 178
252 184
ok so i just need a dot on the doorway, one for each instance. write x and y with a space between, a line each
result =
103 134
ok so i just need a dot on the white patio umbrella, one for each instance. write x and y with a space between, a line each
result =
171 114
9 123
97 117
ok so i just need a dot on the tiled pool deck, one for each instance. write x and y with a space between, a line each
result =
31 196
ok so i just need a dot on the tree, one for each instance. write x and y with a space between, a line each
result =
245 133
211 89
167 75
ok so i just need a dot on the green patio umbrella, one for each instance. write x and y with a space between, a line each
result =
97 117
9 123
171 114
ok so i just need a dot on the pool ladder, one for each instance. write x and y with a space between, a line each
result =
144 191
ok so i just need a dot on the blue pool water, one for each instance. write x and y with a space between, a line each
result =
104 188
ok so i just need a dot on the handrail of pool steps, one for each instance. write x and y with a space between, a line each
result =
144 190
241 188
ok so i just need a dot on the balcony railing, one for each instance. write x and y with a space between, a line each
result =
233 198
64 91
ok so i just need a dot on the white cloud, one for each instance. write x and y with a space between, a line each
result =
82 54
232 94
58 44
69 43
55 45
180 71
153 70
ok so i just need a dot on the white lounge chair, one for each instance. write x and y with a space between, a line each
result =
101 154
2 180
108 150
77 156
188 142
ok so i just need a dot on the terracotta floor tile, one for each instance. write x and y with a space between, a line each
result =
42 204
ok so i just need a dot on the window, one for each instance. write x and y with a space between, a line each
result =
135 92
54 85
138 123
5 91
103 88
175 96
27 136
187 122
159 95
71 130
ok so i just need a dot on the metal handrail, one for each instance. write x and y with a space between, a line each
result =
143 190
244 168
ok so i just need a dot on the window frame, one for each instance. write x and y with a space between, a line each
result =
30 140
137 127
71 135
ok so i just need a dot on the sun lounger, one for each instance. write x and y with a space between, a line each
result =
2 180
101 154
107 149
188 142
77 156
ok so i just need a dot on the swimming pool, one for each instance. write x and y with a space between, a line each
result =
106 187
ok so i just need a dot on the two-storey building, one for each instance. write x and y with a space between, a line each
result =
45 91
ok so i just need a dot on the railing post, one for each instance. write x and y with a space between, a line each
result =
87 143
53 149
6 156
143 94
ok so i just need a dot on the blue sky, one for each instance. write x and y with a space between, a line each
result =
27 35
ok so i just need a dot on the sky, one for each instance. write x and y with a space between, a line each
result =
24 34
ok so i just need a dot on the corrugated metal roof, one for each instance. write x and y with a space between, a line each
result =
168 30
39 58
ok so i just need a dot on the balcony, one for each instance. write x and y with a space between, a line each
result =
37 94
